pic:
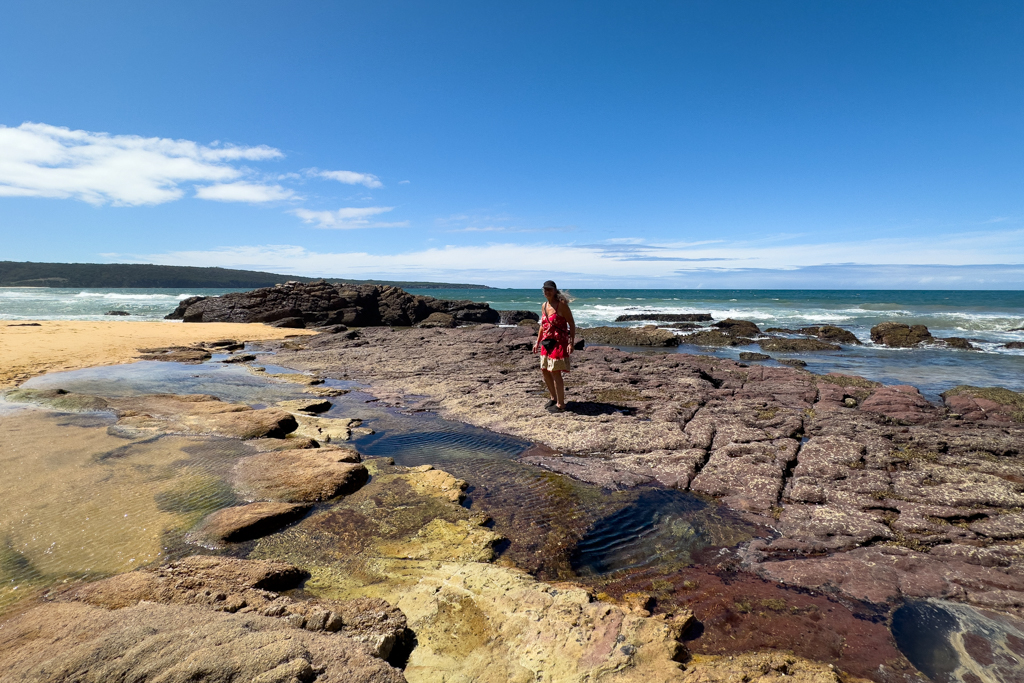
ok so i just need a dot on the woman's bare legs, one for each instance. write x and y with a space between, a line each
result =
556 386
550 381
559 388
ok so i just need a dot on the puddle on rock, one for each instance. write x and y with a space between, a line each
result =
660 527
78 502
955 643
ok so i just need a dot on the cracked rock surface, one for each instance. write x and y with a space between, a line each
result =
876 493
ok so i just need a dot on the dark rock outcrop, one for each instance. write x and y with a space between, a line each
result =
738 328
321 303
959 343
899 335
629 336
753 355
831 333
824 332
666 317
516 317
1014 345
117 313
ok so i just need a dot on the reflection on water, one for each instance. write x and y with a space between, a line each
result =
227 382
662 528
955 643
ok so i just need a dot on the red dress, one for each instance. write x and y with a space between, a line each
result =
555 327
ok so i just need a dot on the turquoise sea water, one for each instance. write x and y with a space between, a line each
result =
987 318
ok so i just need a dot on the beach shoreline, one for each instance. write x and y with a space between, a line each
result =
877 496
29 349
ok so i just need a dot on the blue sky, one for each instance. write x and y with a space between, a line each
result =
646 144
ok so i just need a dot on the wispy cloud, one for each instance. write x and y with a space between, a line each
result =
244 192
40 160
350 178
970 260
350 218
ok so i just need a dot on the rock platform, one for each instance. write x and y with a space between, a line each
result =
876 493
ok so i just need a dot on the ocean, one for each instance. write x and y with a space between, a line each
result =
987 318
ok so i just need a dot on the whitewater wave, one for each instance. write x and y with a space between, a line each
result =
132 297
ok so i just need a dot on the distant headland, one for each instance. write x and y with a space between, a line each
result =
144 275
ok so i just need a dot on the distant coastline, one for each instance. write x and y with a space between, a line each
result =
144 275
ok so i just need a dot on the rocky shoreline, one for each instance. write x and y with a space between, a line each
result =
871 496
876 494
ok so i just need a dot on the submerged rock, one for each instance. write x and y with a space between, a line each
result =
58 399
199 414
751 355
301 475
307 405
246 522
176 354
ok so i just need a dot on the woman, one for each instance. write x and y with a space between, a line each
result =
555 341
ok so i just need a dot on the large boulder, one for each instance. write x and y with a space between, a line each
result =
738 328
296 304
900 335
831 333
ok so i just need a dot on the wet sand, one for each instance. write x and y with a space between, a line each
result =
27 350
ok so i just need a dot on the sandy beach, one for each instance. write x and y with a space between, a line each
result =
28 350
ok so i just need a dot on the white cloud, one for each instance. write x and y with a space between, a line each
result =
351 178
244 192
40 160
349 218
956 261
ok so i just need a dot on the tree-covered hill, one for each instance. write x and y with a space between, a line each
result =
29 274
